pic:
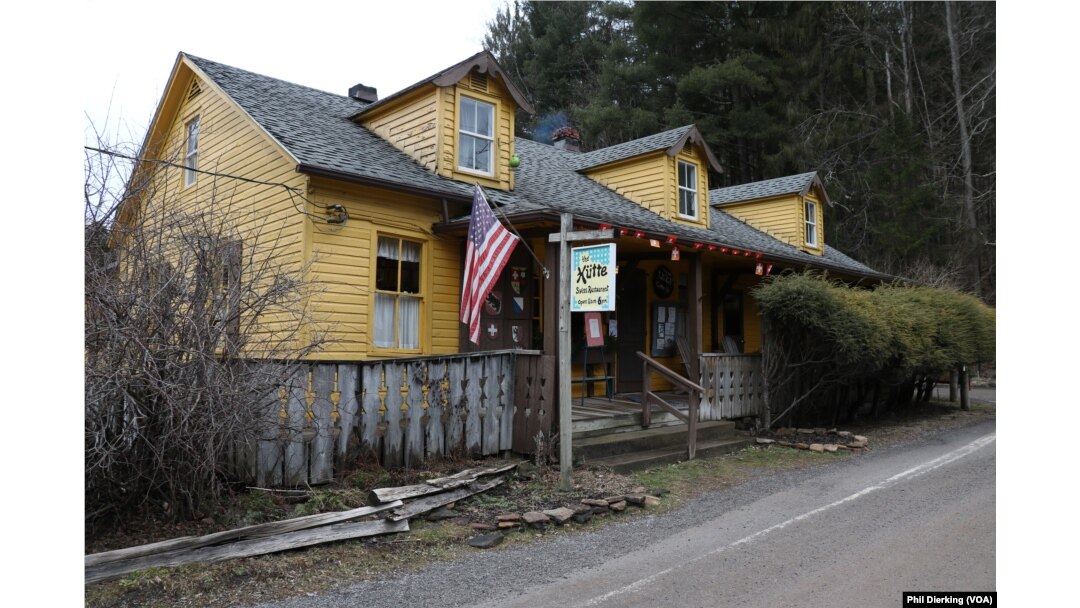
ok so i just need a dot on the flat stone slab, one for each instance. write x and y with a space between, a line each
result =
831 447
535 518
594 502
635 498
652 501
506 525
618 506
486 541
613 499
508 517
560 515
764 441
817 447
580 508
582 518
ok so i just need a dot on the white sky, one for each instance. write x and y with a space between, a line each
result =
325 45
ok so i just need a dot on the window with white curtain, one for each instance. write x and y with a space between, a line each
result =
476 136
397 294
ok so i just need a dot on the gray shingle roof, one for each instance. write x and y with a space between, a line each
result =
789 184
630 149
314 127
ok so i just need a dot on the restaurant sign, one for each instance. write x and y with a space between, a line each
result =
592 278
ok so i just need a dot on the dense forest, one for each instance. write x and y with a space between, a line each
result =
893 103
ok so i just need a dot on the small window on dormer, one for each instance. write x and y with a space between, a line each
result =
688 190
191 154
476 137
811 224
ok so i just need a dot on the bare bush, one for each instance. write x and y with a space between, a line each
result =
190 328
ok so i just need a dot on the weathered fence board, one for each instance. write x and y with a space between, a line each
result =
474 395
321 453
393 455
294 426
414 417
437 395
733 386
401 411
492 399
348 408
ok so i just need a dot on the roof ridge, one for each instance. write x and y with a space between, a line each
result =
198 59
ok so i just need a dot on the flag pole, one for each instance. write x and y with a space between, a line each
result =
513 229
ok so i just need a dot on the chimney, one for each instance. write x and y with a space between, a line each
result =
567 138
364 94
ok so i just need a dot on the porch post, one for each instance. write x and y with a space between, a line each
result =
694 312
563 353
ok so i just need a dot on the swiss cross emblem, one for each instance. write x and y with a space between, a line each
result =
492 330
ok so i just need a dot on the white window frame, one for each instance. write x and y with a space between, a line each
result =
692 190
463 133
397 296
191 152
810 217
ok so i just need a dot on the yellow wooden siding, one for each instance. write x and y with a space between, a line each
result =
781 217
691 155
411 125
265 217
448 103
646 180
343 270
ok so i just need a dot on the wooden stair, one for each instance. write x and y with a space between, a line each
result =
621 444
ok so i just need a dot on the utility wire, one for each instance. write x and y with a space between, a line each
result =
291 191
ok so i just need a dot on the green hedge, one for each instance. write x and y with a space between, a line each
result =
817 329
917 329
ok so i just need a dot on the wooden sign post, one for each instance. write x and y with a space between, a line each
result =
566 431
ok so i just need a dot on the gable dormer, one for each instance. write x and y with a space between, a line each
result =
790 208
458 123
666 173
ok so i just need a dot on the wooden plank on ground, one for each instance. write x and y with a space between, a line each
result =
248 548
434 486
423 505
254 531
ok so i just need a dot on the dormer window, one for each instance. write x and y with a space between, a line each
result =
476 136
811 224
688 190
191 154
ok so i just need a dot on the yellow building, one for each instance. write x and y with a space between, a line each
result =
370 197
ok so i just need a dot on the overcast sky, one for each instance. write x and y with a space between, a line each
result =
325 45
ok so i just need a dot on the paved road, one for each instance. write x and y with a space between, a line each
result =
855 533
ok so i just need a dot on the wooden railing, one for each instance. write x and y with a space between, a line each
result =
399 412
734 386
648 397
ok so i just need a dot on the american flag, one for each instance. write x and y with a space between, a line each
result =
489 248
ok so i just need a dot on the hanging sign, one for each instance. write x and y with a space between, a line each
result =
760 269
592 278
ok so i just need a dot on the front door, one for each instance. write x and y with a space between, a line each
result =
631 311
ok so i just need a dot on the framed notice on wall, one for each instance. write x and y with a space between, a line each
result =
667 323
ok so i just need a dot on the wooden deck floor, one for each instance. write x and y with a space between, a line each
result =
599 407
